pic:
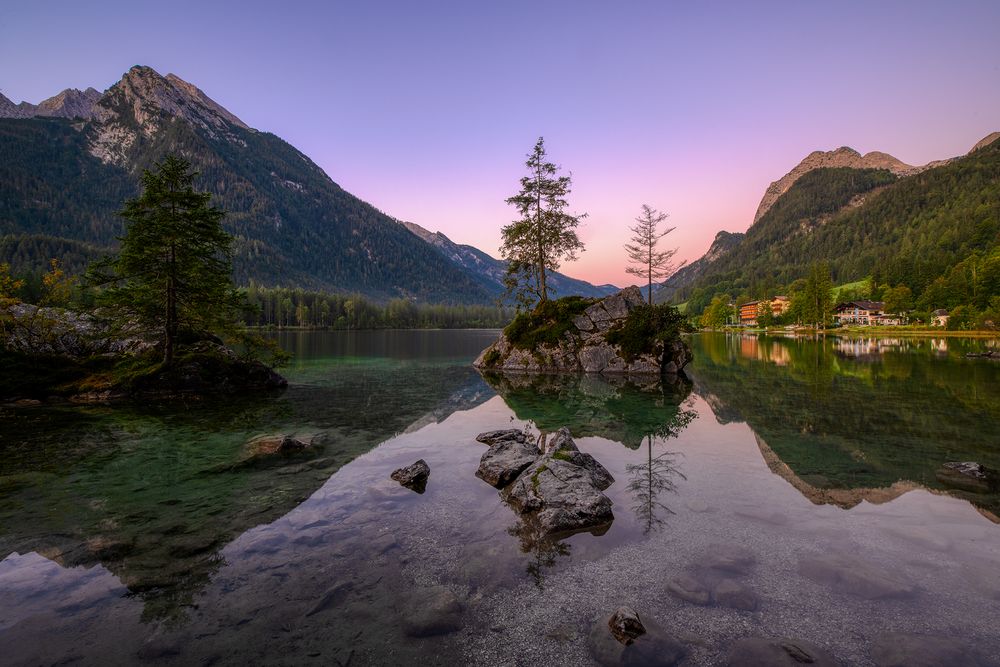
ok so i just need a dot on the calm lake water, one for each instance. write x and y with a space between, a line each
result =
791 489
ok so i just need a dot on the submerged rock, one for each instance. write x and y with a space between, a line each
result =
689 589
969 476
273 445
855 577
757 651
413 476
434 611
732 594
625 625
654 647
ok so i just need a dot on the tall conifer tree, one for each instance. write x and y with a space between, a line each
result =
545 234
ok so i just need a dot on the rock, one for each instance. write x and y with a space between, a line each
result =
274 445
912 650
855 577
493 437
758 651
732 594
625 625
504 461
653 648
26 403
689 589
584 346
969 476
560 496
332 598
729 558
413 476
435 611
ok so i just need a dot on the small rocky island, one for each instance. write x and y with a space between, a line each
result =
55 354
619 334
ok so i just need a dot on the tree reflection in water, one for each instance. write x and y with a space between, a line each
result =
630 411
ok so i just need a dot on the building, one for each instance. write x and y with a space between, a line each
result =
939 318
750 311
780 305
866 313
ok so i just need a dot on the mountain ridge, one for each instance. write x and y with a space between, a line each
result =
66 170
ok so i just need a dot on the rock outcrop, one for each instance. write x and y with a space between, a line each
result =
584 346
842 157
557 488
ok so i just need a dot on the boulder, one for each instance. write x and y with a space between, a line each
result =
413 476
625 625
505 460
493 437
560 496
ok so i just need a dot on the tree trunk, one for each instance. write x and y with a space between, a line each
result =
171 315
543 293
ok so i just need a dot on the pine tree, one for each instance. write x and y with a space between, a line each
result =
648 262
818 295
172 273
545 233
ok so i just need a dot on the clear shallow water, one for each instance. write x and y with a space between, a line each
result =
143 534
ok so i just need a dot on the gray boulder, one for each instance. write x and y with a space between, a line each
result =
505 460
493 437
561 497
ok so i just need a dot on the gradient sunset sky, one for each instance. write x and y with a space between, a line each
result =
427 109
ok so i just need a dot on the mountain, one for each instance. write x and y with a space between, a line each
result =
62 182
842 157
906 225
491 270
688 274
70 103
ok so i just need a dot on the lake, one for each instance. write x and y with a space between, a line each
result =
791 489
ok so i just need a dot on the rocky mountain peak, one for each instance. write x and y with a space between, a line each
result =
841 157
985 141
723 242
145 99
149 94
70 103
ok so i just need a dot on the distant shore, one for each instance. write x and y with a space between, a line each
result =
868 332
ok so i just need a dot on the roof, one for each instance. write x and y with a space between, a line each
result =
940 312
748 303
863 304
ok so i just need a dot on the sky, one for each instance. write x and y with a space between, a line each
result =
428 109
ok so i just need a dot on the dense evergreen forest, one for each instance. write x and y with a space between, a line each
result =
281 307
936 234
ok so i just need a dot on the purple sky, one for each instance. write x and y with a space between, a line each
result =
426 109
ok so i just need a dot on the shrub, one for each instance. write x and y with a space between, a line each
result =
645 327
547 323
